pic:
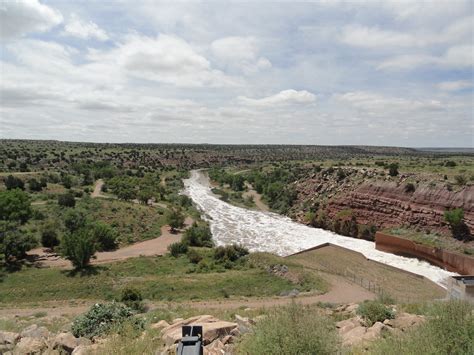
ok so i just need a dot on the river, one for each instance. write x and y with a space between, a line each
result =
270 232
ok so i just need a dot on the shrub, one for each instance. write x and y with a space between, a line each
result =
194 256
230 253
79 247
132 298
450 164
14 244
410 187
374 311
175 219
15 206
75 219
294 329
178 248
393 169
100 319
35 185
461 180
198 236
49 235
455 219
66 200
449 329
12 183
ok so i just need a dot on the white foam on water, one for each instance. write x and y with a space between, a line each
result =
270 232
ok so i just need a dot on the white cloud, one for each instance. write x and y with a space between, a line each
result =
19 17
455 85
285 97
455 57
239 52
378 103
373 37
167 59
78 28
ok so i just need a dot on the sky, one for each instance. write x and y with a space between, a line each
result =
396 73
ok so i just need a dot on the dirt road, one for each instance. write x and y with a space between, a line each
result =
341 291
152 247
97 188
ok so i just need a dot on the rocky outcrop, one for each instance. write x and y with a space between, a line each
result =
383 201
353 331
387 205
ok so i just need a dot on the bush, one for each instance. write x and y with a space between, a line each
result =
230 253
132 298
175 219
75 219
49 235
194 256
449 329
393 169
12 183
15 206
178 248
198 236
455 219
374 311
461 180
66 200
295 329
14 244
410 187
35 185
79 247
101 319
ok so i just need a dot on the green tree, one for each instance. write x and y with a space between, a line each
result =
66 200
35 185
15 243
12 182
105 236
198 236
49 234
175 219
15 205
455 219
393 169
75 219
79 247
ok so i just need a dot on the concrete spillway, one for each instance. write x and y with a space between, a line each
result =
270 232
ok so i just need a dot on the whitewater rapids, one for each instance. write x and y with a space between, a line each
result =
270 232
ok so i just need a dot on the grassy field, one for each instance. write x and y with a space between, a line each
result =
158 278
400 285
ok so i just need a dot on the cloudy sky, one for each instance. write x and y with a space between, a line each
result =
327 72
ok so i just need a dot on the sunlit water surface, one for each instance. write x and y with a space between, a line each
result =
270 232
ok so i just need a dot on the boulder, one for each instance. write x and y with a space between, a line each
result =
30 346
85 349
9 338
33 331
65 342
353 336
347 325
244 323
403 321
374 331
215 348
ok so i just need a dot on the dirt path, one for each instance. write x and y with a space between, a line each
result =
151 247
257 198
341 291
97 189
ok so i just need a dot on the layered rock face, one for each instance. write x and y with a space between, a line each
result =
384 201
387 204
